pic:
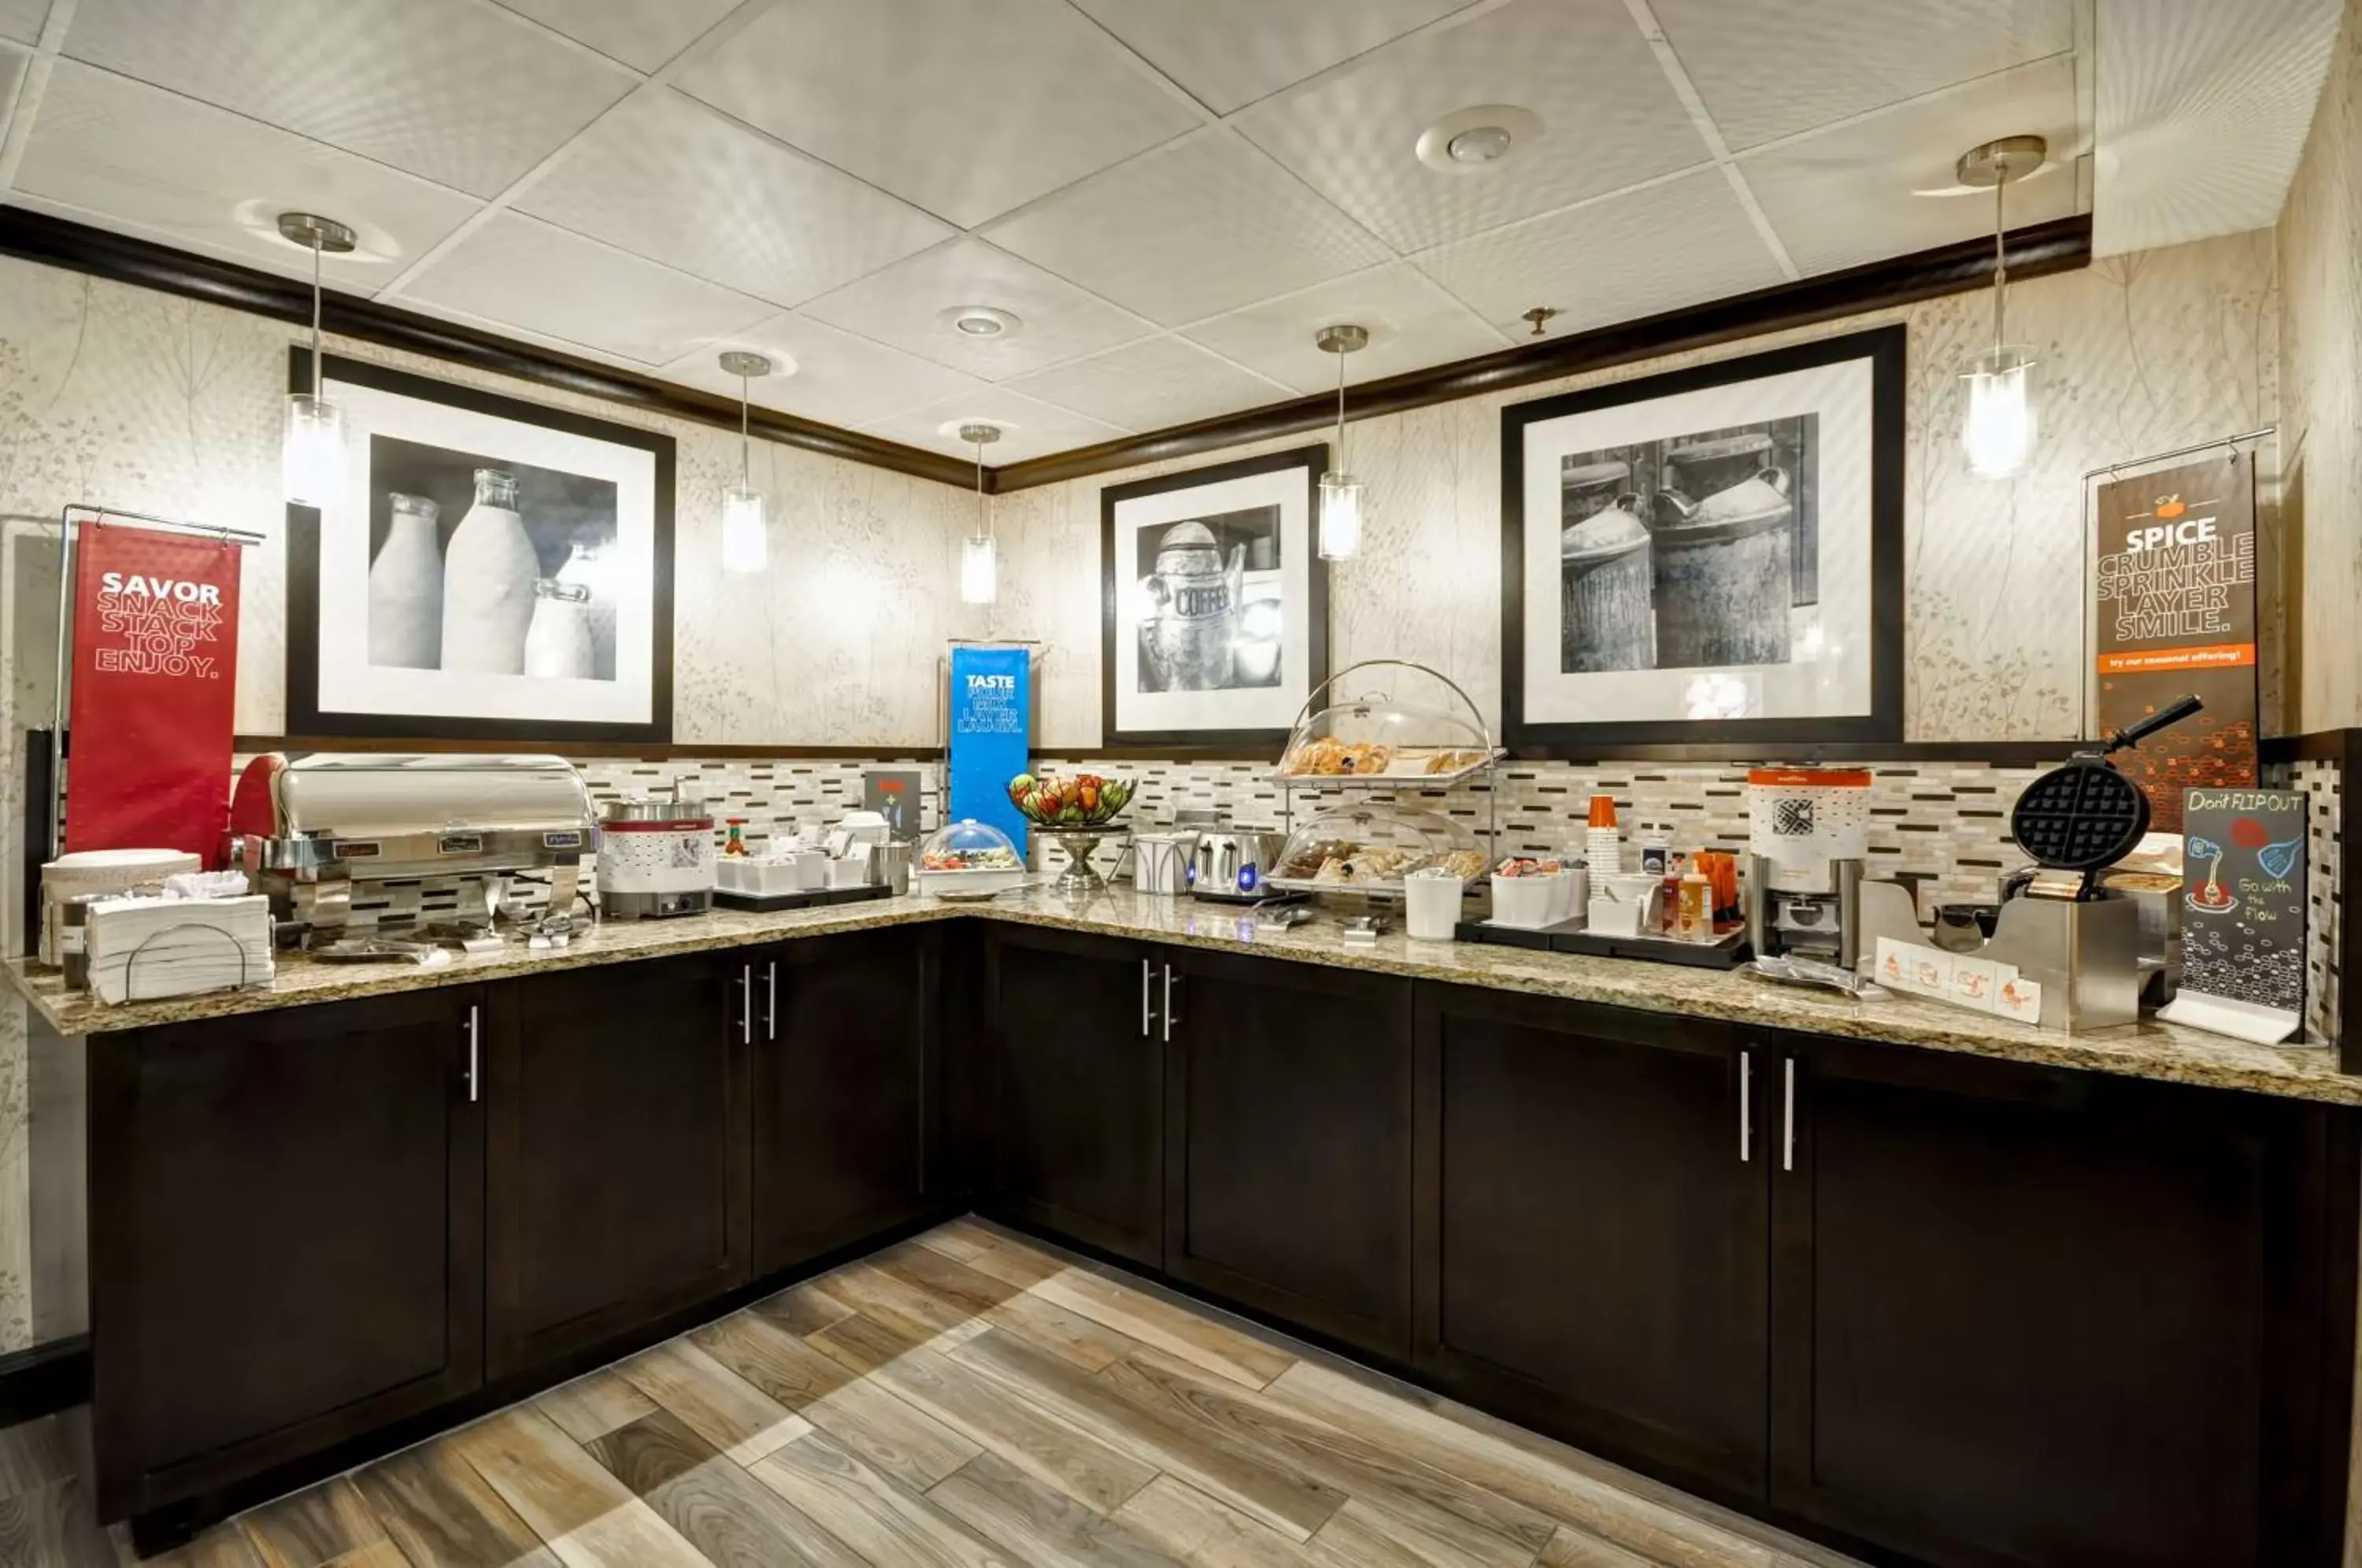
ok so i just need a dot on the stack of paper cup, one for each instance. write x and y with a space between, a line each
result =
1602 850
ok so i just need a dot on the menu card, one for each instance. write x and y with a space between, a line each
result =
2242 913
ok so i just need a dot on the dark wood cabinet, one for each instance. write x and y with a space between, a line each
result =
286 1237
845 1072
2031 1317
1078 1144
616 1150
1288 1141
1594 1227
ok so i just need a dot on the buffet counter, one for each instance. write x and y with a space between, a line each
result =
2148 1050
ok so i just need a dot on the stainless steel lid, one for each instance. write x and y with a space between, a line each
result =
656 809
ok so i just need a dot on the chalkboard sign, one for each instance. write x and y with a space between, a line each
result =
2243 909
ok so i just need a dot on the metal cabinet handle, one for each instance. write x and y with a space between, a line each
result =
1788 1115
475 1085
1168 1002
1746 1107
1147 1014
771 1001
746 1001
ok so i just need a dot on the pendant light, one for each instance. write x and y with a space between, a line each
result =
312 447
979 554
746 525
1340 492
1998 430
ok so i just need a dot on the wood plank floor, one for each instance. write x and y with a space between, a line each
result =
969 1398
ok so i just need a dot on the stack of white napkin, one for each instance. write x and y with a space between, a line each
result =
143 949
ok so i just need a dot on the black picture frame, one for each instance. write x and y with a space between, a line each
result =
1737 740
1314 461
304 716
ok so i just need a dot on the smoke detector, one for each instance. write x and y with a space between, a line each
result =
1478 139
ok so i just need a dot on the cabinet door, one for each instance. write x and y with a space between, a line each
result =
2025 1316
286 1233
1593 1231
616 1135
844 1105
1079 1101
1289 1142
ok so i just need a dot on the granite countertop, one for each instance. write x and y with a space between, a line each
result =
2147 1050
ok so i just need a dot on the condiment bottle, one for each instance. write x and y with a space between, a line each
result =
1696 922
1669 902
736 844
1656 854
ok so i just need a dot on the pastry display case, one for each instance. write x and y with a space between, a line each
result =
1371 846
1432 735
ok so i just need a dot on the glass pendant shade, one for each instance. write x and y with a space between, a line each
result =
979 569
1340 516
311 451
745 530
1999 429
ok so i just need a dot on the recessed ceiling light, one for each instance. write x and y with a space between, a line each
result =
1478 139
980 321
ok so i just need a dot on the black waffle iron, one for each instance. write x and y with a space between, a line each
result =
2085 815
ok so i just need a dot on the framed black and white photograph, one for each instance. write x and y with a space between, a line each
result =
1216 615
495 569
1712 555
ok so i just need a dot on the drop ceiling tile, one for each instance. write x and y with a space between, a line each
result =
966 108
21 19
13 67
903 305
520 270
194 175
1412 324
667 177
1201 225
1229 53
643 34
1150 384
1609 119
464 94
837 378
1028 429
1615 259
1844 196
1769 68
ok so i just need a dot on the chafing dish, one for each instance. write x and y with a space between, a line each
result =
349 843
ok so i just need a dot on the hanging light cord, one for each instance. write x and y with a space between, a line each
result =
316 248
2001 258
983 508
746 443
1341 414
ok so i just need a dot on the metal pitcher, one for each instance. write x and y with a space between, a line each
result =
1725 574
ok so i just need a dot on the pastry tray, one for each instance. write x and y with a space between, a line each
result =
1730 952
767 903
1383 781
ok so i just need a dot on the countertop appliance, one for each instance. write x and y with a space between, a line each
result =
656 857
1805 913
360 843
1161 860
1230 864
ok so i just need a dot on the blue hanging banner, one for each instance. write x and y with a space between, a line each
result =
992 715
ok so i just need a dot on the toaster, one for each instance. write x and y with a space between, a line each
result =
1230 864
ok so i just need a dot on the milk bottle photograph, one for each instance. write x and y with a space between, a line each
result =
489 573
405 587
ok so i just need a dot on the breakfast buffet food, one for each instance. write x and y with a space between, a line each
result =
991 857
1326 757
1085 801
1526 866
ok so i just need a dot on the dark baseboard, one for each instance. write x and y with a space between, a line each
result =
43 1378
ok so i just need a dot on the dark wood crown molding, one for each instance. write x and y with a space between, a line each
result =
59 242
2060 246
2055 247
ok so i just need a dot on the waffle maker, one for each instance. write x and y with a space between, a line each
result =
2085 817
2066 934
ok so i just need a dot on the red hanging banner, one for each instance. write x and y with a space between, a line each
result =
155 683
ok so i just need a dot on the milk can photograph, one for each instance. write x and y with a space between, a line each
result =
483 562
1210 612
1693 551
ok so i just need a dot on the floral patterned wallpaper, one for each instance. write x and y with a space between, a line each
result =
2320 239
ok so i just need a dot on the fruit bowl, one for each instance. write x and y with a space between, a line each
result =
1085 801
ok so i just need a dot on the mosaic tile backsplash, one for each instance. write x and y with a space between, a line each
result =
1940 828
